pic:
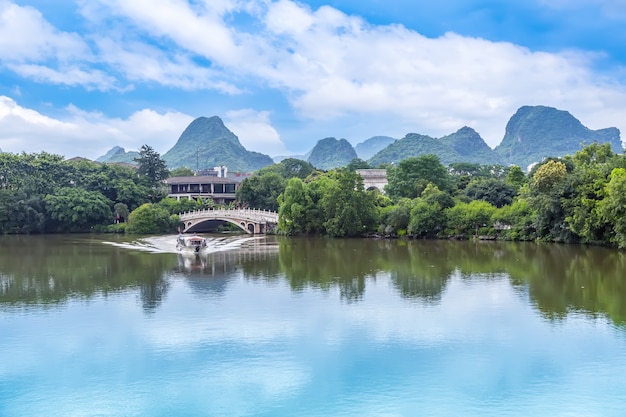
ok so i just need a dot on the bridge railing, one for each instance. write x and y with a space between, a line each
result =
244 214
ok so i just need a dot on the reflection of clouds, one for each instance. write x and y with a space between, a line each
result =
243 316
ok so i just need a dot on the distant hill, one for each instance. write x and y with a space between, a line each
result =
331 153
536 132
207 143
118 154
414 144
471 147
368 148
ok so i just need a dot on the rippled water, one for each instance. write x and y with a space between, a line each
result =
309 327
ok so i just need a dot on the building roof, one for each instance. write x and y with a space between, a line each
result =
200 179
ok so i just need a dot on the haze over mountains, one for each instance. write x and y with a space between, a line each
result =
532 134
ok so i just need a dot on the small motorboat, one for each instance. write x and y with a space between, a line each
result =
194 243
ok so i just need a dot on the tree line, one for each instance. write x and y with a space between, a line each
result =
43 193
575 199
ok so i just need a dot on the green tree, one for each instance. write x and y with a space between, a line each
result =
613 207
492 190
466 218
357 163
516 177
294 204
349 210
182 172
261 191
515 220
427 219
412 175
150 219
151 166
20 213
77 210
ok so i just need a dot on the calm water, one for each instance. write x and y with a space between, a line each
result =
310 327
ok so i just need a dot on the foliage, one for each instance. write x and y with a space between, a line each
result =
295 206
261 191
412 175
613 208
466 218
492 190
182 172
516 177
548 175
515 220
333 204
151 219
20 213
77 210
151 166
357 163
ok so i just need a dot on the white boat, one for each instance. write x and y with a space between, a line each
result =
194 243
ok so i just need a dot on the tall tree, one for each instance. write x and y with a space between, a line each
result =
412 175
151 166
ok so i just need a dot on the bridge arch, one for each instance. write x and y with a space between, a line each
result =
249 220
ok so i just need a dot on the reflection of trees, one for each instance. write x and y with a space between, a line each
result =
559 279
421 269
51 269
328 263
563 278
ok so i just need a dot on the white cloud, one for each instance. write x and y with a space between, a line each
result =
86 134
26 35
331 67
255 132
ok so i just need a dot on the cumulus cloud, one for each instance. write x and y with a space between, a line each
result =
255 131
331 67
86 134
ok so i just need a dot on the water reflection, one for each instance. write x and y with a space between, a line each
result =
558 279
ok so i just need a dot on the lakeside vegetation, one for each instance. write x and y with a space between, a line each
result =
574 199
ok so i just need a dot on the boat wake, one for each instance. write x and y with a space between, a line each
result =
167 244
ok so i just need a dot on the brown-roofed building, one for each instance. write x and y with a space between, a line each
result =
220 190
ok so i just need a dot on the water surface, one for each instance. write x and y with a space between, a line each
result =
110 326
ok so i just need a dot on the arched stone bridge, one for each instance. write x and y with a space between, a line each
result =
250 220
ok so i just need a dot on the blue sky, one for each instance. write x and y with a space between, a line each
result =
79 77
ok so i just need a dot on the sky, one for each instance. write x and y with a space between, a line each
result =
79 77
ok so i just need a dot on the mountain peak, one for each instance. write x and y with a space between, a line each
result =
331 153
206 143
536 132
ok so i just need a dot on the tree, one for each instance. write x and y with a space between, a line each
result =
613 207
357 163
77 210
150 219
151 166
412 175
516 177
426 219
348 209
548 175
182 172
465 218
261 191
491 190
294 204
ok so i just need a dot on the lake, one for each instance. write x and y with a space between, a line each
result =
268 326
